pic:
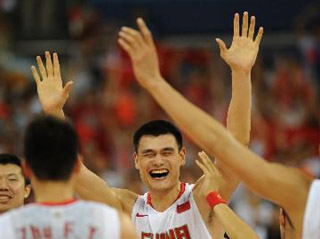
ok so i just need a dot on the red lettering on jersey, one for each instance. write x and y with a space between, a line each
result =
183 207
47 233
35 232
92 231
23 232
182 232
67 230
146 235
172 235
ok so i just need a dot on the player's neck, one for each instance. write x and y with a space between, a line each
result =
162 200
53 192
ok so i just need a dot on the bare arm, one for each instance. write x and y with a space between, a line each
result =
128 230
282 185
232 224
53 96
240 57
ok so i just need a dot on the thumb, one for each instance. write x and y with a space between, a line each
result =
67 88
222 46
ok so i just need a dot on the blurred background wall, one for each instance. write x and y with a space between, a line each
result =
107 105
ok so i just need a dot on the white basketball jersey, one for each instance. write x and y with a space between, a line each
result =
70 220
311 222
182 220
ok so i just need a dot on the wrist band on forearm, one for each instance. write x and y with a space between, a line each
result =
214 198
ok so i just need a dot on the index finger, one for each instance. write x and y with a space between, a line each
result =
236 25
147 36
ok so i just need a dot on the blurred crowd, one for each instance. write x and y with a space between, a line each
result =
107 105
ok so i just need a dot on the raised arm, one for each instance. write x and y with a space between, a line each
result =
240 57
285 186
209 189
53 96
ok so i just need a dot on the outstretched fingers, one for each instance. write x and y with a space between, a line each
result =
245 24
236 25
259 36
35 75
67 89
49 64
252 26
222 46
42 69
146 34
56 66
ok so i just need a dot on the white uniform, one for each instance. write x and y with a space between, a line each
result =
69 220
182 220
311 222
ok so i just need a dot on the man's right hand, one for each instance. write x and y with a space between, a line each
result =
142 52
51 93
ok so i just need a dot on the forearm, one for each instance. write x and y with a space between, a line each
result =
233 225
264 178
238 123
239 112
91 187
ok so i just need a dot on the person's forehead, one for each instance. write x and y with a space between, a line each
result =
6 169
157 142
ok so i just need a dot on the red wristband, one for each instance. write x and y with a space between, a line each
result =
214 198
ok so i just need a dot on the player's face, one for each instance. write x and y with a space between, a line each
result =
12 187
159 160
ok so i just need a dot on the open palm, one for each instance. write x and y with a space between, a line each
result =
244 48
52 94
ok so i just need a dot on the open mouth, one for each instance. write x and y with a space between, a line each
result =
4 198
159 173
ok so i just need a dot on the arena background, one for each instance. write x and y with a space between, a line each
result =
107 105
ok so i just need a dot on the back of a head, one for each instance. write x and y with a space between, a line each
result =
51 147
156 128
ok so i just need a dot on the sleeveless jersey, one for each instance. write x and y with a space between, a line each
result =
69 220
182 220
311 222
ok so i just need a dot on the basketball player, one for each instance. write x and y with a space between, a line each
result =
234 226
288 187
14 187
167 194
51 148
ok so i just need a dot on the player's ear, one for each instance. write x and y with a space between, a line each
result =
183 152
135 156
27 191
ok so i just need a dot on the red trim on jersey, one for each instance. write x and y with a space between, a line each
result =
183 207
182 189
67 202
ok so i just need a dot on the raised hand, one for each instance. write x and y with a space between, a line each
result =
244 48
212 176
142 52
51 93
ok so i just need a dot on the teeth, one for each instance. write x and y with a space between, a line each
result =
4 198
159 171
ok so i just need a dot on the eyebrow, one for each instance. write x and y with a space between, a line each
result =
168 149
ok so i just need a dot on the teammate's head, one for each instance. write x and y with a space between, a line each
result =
159 154
51 148
14 188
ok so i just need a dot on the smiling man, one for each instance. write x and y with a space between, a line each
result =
14 188
171 209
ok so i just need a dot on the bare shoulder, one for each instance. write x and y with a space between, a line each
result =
127 198
127 228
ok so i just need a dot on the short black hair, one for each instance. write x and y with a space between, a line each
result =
13 159
51 147
156 128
